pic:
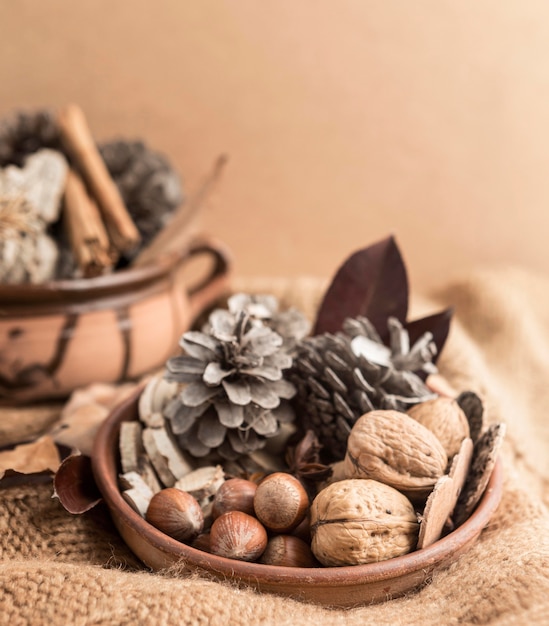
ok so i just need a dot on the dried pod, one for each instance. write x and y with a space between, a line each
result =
445 418
473 407
281 502
235 494
176 513
392 448
359 521
338 473
288 551
237 535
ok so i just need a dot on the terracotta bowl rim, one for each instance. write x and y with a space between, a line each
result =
126 276
426 558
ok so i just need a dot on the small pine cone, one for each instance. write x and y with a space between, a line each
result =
150 187
340 377
26 132
233 394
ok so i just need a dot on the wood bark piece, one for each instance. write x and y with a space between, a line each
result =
153 399
484 458
202 482
136 492
85 229
167 459
442 500
79 142
130 445
133 457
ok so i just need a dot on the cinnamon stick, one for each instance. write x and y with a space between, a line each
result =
175 234
85 230
79 142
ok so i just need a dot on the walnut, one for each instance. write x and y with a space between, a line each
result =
394 449
357 521
445 418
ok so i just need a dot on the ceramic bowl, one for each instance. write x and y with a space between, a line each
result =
62 335
331 586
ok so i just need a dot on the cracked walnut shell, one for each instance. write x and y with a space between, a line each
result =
357 521
391 447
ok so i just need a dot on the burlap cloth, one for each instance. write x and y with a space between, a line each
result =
59 569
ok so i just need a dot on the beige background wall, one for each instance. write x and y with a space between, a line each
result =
344 120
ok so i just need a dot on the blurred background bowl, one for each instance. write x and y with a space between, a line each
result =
62 335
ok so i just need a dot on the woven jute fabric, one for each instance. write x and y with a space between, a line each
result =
61 569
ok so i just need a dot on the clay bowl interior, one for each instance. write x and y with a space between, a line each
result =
330 586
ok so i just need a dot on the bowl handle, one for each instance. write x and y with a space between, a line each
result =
216 283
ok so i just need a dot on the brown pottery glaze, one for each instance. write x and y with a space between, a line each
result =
65 334
330 586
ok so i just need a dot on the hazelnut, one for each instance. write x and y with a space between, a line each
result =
288 551
235 494
392 448
202 542
175 513
303 530
445 418
360 521
281 502
237 535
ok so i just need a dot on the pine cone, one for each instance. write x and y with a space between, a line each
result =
234 395
340 377
25 132
150 187
290 324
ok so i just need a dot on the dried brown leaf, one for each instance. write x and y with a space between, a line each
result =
372 283
437 324
41 455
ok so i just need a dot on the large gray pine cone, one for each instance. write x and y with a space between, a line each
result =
341 376
233 395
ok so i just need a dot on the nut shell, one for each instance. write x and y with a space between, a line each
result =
237 535
281 502
445 418
235 494
358 521
175 513
392 448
